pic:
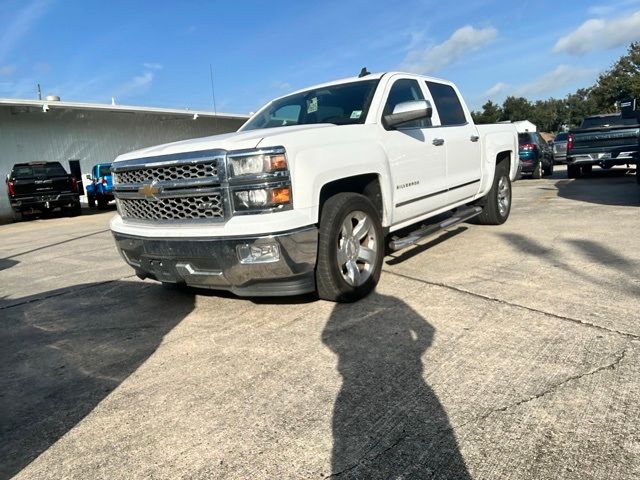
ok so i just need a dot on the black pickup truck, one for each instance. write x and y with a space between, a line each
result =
42 187
605 140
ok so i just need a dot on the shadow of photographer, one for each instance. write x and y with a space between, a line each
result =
387 421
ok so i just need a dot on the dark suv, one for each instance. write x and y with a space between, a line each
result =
536 156
41 187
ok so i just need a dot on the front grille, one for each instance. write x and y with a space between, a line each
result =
172 172
175 208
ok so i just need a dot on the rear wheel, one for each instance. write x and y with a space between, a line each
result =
497 203
350 248
573 171
537 172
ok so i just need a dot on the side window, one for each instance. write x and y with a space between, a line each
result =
447 104
405 90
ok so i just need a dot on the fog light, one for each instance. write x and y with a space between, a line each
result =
264 253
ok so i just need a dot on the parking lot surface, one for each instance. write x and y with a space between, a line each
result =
508 352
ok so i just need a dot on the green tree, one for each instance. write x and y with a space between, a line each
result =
516 108
491 113
621 81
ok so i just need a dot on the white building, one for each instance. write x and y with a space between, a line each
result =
53 130
523 126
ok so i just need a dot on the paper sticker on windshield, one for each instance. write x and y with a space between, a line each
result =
312 105
356 114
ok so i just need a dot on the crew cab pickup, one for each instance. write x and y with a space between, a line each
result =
41 187
309 193
100 190
604 140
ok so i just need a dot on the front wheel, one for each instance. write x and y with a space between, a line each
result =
496 205
350 248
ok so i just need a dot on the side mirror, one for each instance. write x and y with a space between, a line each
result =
409 111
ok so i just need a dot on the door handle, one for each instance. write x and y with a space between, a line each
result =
438 141
474 138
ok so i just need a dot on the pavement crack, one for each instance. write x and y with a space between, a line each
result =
517 305
551 389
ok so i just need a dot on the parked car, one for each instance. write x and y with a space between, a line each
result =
42 187
560 148
312 188
605 140
100 190
535 155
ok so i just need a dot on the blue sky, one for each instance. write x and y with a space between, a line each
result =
158 53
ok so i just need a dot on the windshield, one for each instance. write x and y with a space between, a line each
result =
343 104
53 169
561 137
104 170
612 120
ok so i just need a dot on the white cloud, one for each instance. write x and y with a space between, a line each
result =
611 7
558 77
280 85
495 91
597 34
152 66
14 29
137 84
7 69
463 41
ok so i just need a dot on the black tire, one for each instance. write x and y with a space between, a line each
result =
103 203
493 213
574 171
332 279
17 216
537 172
76 209
92 202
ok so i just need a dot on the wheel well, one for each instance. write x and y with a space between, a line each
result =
503 156
366 184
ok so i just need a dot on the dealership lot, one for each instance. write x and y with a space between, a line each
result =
488 352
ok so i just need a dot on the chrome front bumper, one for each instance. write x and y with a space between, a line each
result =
214 262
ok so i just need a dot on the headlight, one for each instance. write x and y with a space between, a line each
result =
257 162
262 198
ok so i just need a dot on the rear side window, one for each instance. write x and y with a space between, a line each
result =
405 90
447 103
53 169
526 138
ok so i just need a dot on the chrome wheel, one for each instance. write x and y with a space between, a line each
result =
504 195
357 248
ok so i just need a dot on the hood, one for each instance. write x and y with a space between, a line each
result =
227 141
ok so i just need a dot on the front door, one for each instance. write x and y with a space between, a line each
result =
417 163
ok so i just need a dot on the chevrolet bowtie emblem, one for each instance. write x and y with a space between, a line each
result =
150 191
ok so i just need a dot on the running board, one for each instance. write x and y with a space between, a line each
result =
459 216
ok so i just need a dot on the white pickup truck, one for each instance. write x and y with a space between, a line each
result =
312 190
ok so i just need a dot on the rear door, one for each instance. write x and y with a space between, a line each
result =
461 140
418 165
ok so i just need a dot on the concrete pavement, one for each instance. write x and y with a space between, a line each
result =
506 352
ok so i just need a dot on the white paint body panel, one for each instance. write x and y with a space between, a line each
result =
321 153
